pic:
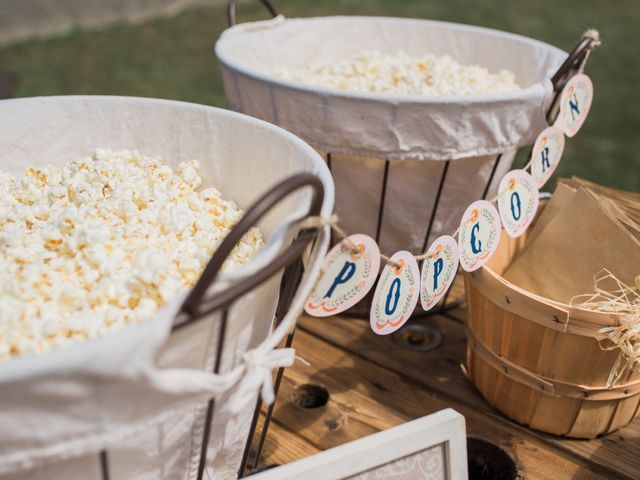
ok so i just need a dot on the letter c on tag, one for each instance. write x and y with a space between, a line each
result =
476 245
345 274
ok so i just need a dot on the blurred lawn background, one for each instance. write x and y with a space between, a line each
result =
173 58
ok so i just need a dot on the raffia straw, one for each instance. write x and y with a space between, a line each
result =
613 296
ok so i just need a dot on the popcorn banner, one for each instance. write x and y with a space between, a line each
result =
351 268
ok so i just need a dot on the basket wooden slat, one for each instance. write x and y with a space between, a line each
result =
538 361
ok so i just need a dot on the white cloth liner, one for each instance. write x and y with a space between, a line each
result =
141 392
384 125
359 129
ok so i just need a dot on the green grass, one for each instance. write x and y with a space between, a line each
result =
173 58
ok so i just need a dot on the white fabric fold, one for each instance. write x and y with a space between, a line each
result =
257 374
388 126
261 362
184 381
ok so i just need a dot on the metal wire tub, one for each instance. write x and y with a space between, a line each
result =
173 397
405 167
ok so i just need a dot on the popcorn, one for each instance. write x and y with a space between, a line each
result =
402 74
102 243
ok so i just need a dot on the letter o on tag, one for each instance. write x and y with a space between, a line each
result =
517 202
396 295
438 271
347 276
575 103
479 235
546 154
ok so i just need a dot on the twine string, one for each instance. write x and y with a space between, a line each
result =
332 221
594 35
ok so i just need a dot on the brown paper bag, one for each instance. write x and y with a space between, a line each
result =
627 204
563 195
581 236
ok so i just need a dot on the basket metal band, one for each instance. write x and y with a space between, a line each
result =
537 309
549 386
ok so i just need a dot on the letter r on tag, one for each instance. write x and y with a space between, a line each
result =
438 265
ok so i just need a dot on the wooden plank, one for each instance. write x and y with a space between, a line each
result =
281 445
439 371
365 398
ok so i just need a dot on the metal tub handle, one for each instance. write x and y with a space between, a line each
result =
573 62
196 305
232 7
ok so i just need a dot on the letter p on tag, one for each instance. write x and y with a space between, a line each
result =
348 275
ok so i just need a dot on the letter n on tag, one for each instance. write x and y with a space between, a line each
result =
575 103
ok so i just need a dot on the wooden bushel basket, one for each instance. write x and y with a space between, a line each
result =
538 361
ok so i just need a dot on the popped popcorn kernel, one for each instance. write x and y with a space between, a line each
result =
101 243
372 71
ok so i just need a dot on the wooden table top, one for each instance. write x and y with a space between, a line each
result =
375 383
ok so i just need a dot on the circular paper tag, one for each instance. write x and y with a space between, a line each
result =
396 294
575 102
438 271
546 154
517 202
479 234
347 276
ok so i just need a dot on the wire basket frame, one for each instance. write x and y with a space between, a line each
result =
196 306
574 63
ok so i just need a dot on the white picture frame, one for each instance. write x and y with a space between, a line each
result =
445 428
